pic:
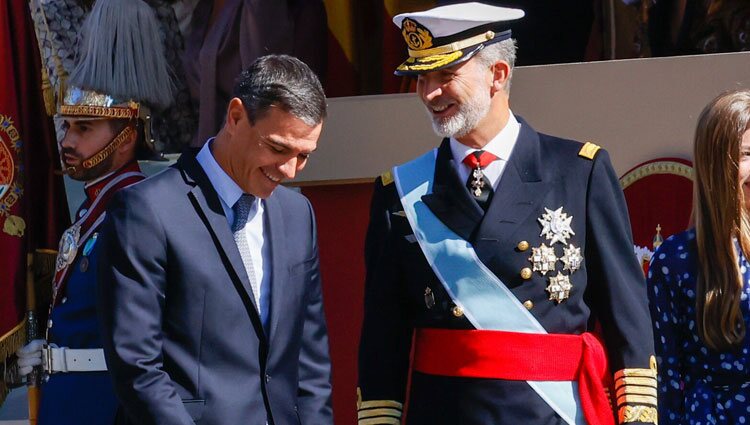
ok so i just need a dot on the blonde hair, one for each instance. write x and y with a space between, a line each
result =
720 219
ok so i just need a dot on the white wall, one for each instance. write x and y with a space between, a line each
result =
638 109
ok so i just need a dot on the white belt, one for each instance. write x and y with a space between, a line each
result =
73 360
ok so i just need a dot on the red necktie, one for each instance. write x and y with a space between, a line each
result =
479 159
478 185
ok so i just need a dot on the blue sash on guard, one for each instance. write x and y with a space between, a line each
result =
487 303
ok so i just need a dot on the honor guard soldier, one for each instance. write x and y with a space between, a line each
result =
496 256
106 111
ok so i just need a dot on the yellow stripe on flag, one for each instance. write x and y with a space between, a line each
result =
340 24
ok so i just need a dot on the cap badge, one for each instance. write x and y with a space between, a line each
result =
416 36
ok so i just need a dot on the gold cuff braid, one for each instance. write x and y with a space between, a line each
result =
647 414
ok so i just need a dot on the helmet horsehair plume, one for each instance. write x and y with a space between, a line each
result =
122 54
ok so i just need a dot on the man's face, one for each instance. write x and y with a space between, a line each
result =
456 98
83 138
275 149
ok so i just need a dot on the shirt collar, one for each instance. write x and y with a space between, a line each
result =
93 187
229 192
501 145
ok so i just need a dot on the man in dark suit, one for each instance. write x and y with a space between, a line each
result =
494 257
212 310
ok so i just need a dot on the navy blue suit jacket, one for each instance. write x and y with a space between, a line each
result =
181 332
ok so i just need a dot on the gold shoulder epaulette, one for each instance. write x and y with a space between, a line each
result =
589 150
387 178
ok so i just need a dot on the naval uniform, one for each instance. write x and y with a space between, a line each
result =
77 398
545 176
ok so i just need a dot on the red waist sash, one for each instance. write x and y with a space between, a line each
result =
521 357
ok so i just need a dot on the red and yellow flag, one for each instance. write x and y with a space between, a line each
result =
32 205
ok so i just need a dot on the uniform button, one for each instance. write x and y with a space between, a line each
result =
458 311
268 378
49 323
523 246
64 300
528 304
526 273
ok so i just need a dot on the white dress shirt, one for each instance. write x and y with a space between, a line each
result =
501 146
255 229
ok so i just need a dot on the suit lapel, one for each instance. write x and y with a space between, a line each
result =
521 188
208 204
450 200
276 231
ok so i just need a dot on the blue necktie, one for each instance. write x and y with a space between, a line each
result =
242 209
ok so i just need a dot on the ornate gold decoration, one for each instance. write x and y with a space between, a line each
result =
430 63
126 133
98 111
647 414
416 36
9 343
452 47
589 150
11 177
14 226
659 167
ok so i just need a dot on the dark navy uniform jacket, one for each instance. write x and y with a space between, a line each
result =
542 172
79 397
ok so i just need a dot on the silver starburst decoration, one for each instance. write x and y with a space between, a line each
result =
543 259
572 258
559 287
556 226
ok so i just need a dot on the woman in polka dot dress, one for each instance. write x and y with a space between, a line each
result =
699 280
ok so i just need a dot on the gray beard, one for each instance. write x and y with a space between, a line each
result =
465 119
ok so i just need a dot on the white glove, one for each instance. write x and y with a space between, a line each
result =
29 355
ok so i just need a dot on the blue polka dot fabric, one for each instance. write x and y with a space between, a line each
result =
697 386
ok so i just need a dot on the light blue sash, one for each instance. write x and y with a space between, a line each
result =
486 301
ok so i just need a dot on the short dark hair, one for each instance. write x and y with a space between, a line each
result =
283 81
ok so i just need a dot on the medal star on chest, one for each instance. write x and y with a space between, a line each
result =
543 259
572 258
559 287
556 226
